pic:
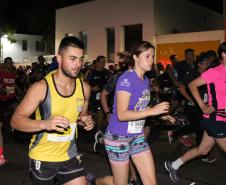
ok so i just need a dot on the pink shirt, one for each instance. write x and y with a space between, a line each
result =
216 82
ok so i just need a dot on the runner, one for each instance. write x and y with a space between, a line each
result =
214 117
124 137
60 102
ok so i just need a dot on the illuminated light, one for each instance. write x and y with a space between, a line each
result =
5 36
164 62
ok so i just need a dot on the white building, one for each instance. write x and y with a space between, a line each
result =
109 26
24 50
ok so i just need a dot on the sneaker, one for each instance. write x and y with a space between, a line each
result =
170 136
208 159
91 179
2 160
186 141
174 176
98 135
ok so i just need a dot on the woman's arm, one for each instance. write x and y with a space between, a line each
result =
124 114
193 86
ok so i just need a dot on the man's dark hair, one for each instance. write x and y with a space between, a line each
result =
126 60
8 60
202 57
172 57
70 41
211 53
188 50
98 59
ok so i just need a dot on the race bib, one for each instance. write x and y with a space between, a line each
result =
66 135
135 127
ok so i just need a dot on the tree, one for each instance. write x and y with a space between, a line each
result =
10 30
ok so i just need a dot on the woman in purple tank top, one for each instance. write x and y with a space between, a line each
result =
124 138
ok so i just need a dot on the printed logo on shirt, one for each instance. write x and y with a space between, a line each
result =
125 83
143 101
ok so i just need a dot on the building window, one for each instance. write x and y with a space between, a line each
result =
40 46
110 44
24 45
132 34
83 37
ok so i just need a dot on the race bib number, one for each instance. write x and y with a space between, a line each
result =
135 127
10 90
66 135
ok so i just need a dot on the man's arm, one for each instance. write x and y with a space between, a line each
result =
87 92
34 96
185 94
103 98
84 118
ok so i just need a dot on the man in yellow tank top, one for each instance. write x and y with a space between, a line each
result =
60 102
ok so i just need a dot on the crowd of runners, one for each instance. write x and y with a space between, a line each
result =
51 101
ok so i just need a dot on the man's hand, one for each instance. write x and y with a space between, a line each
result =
168 118
95 88
88 121
58 123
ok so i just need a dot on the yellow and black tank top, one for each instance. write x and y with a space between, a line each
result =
55 146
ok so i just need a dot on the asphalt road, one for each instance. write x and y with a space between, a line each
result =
15 172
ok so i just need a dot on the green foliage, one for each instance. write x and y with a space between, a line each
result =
10 30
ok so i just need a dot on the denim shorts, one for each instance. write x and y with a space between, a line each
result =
48 173
216 129
121 148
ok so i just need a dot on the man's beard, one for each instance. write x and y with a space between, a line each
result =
68 74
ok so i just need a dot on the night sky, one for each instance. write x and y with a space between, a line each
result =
216 5
38 16
32 16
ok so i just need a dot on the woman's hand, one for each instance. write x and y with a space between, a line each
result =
160 108
207 109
